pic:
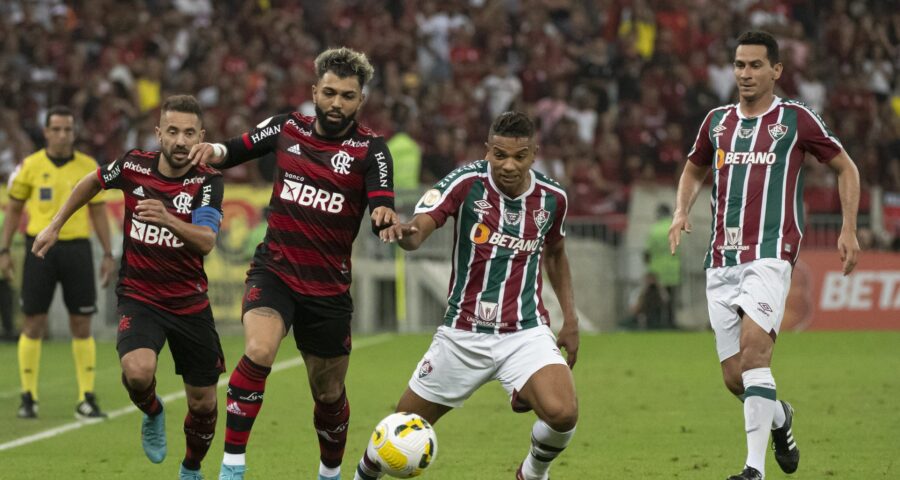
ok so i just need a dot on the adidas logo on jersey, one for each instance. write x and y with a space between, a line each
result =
139 191
295 149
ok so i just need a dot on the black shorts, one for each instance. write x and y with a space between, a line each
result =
321 324
193 339
69 262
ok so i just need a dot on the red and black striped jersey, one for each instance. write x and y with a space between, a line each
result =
156 267
320 191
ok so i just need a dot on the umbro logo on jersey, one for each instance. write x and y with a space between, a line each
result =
295 149
139 191
482 206
719 130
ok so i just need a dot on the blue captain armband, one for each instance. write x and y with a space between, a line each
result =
207 217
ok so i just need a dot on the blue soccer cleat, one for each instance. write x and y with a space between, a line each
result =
153 435
185 474
232 472
336 477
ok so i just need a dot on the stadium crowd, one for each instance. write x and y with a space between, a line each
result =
618 87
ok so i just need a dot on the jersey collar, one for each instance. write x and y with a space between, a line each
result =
497 189
775 103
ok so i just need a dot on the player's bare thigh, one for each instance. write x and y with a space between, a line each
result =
411 402
263 331
551 393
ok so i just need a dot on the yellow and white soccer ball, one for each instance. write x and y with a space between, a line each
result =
404 444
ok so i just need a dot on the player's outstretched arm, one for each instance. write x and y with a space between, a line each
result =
84 191
197 238
688 189
848 188
409 236
556 261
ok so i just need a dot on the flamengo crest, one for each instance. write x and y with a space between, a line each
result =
777 131
341 162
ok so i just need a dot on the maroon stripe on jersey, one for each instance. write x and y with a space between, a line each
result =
754 201
180 307
310 286
482 257
306 257
513 289
731 122
324 177
790 233
291 218
247 143
381 193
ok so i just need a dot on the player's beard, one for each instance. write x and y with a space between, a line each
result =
175 163
329 126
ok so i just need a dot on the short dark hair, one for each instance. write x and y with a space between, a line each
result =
759 37
345 62
512 125
60 110
183 104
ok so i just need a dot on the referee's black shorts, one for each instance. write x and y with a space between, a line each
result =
69 262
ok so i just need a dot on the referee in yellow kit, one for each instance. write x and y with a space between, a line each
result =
43 181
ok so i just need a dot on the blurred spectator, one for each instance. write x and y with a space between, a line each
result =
631 76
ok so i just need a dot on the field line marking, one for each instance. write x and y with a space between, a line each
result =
52 432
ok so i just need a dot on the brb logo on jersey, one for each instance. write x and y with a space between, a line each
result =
341 162
154 235
743 158
482 234
310 196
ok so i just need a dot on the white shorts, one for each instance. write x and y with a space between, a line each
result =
759 288
458 362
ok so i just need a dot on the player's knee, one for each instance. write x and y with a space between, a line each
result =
138 372
561 416
261 352
202 405
329 395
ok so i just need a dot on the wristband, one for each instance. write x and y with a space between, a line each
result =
219 150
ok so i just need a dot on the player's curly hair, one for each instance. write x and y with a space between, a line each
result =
512 125
345 62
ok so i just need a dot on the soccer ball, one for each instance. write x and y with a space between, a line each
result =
403 444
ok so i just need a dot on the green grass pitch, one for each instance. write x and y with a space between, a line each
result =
652 406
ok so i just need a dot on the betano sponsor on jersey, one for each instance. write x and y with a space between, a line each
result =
481 234
743 158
